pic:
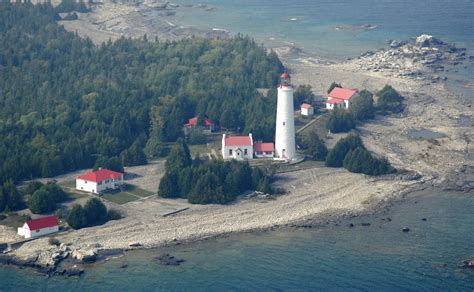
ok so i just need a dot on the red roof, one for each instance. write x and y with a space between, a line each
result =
193 122
237 141
285 75
263 147
307 106
335 101
100 175
44 222
342 93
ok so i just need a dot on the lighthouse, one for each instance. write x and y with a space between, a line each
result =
285 121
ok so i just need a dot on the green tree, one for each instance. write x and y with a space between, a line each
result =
112 163
315 147
95 212
77 217
14 200
340 121
332 86
55 192
179 157
303 94
41 202
389 100
207 190
32 187
362 107
169 187
335 157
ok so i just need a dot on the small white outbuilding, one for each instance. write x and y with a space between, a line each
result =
307 110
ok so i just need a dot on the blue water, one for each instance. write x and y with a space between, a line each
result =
310 25
376 257
315 21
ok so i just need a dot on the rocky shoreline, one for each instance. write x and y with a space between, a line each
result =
425 58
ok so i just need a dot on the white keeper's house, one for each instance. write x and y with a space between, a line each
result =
341 98
39 227
243 148
237 147
99 181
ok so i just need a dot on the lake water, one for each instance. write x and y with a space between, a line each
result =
311 25
330 257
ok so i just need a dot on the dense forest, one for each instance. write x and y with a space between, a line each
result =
66 103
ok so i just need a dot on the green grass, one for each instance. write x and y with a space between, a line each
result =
120 198
68 184
138 192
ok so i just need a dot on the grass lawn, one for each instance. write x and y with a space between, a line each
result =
120 198
138 192
68 184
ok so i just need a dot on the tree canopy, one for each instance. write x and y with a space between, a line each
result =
66 103
340 121
362 107
389 100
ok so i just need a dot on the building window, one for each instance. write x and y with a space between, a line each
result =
230 151
283 123
85 181
99 183
245 151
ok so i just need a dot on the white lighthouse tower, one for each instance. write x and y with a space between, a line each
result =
285 121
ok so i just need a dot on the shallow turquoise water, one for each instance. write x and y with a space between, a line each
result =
330 257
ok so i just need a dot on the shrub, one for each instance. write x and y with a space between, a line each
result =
95 212
362 107
334 84
113 214
361 161
76 218
315 147
335 157
54 241
41 202
340 121
389 100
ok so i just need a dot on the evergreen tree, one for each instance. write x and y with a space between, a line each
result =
340 121
32 187
335 157
14 200
207 190
169 187
362 107
95 212
332 86
389 100
77 217
315 147
303 94
41 202
179 157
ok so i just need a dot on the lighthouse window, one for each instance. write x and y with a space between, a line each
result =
283 123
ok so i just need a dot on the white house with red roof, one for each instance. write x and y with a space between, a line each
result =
263 150
237 147
99 180
341 98
243 147
307 109
39 227
193 123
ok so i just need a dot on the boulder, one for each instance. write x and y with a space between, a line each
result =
168 260
134 244
405 229
468 263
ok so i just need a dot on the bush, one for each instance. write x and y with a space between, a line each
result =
113 214
54 241
331 87
93 213
77 217
335 157
361 161
340 121
32 187
112 163
41 202
315 147
389 100
362 107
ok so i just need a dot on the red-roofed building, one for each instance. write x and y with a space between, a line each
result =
39 227
237 147
99 181
341 97
263 150
193 123
307 109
